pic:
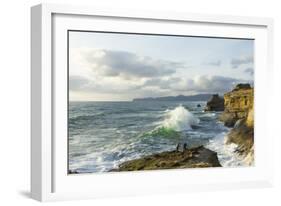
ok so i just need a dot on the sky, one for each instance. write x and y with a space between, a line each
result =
121 67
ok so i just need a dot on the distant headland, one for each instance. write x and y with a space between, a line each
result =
197 97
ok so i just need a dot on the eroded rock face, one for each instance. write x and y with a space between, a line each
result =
250 118
237 104
243 136
215 103
239 114
197 157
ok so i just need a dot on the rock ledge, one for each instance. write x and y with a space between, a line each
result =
198 157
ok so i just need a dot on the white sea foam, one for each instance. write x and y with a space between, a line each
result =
180 119
226 152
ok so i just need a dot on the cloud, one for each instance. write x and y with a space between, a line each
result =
200 84
125 65
236 62
213 63
214 84
102 85
77 83
126 75
250 71
162 83
154 87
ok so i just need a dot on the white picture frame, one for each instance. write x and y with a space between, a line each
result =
49 179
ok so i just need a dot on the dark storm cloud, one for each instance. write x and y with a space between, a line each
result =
236 62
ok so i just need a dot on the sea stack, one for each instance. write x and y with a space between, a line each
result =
215 103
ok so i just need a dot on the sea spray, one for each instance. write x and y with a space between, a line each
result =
175 121
226 152
180 119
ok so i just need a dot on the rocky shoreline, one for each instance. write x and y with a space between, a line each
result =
237 107
197 157
237 113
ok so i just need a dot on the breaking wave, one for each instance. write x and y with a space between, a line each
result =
180 119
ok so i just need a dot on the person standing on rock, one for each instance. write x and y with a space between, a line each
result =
184 146
178 147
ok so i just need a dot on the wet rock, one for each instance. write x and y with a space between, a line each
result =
73 172
239 114
229 119
197 157
243 136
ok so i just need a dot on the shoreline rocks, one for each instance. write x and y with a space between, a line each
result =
70 172
197 157
237 104
215 103
239 114
243 136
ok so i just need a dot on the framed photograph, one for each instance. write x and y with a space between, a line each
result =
136 102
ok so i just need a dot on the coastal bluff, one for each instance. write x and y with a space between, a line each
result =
197 157
239 115
237 104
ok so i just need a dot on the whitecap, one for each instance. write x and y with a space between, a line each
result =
226 152
180 119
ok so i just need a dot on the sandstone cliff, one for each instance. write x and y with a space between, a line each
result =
237 104
239 114
197 157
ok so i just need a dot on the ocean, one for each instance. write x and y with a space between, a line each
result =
102 135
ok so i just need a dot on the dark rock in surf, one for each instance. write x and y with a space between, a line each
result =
73 172
215 103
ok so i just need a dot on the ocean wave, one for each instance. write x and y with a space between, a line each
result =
175 121
162 132
180 119
85 117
